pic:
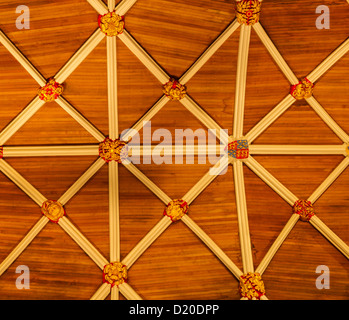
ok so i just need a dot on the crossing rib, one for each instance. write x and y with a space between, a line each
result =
241 75
22 183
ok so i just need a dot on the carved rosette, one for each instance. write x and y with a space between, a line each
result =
302 90
174 90
53 210
51 91
111 24
113 150
238 149
304 209
247 11
176 209
251 286
115 273
1 152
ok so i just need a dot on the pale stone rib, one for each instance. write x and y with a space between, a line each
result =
20 120
22 59
79 56
124 6
326 64
298 149
330 235
102 292
204 118
51 151
202 184
328 119
114 224
88 174
241 74
188 150
269 179
114 293
277 243
22 183
23 244
211 50
144 57
146 242
147 182
128 292
87 125
112 88
279 60
145 118
212 246
329 180
241 208
262 125
99 6
85 245
111 5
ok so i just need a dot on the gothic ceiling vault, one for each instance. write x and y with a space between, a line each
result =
259 214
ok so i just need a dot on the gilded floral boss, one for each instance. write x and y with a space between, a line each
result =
302 90
53 210
304 209
247 11
115 273
174 90
111 24
51 91
251 286
176 209
113 150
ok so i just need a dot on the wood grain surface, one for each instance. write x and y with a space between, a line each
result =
178 265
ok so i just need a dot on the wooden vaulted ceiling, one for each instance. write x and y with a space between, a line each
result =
177 265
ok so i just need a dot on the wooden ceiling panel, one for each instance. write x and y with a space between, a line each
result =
83 90
302 175
268 213
177 265
15 94
292 275
184 263
56 263
266 85
53 127
88 210
333 94
175 179
18 215
331 207
213 87
58 29
140 211
171 121
212 208
184 29
40 173
299 125
291 25
138 89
